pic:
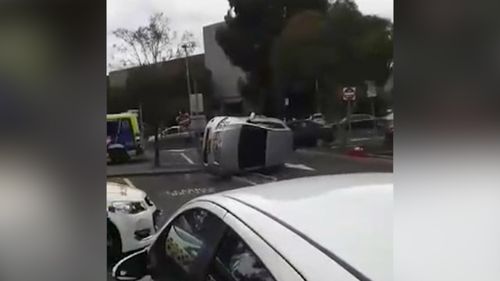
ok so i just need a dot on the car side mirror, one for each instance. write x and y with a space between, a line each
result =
132 267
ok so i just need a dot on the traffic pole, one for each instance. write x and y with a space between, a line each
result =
188 78
373 114
141 120
349 128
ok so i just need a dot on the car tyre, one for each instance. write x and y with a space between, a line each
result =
113 243
118 156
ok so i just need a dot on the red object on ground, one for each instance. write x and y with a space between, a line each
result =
357 151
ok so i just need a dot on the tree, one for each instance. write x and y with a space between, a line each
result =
298 59
188 40
248 37
341 47
150 45
363 43
147 44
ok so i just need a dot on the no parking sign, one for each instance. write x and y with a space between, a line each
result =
349 93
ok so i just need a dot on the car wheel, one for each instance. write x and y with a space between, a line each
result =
113 244
118 156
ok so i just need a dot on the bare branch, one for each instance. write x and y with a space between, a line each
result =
148 44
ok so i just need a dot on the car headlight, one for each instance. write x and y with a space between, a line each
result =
127 207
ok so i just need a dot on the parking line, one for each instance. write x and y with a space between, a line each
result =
299 166
177 150
267 177
187 158
129 183
245 180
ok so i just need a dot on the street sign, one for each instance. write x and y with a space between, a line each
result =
349 93
371 90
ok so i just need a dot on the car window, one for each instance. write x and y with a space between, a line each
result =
235 261
186 245
172 131
362 124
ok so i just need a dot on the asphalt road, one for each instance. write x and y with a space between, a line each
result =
169 192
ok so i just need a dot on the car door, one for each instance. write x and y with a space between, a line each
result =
185 246
171 132
243 256
235 261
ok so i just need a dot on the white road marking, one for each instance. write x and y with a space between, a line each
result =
187 158
245 180
267 177
129 183
360 139
299 166
177 150
190 191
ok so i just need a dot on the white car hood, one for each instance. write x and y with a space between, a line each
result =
122 192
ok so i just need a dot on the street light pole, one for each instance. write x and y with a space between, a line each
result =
188 79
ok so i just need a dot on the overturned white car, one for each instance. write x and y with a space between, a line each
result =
236 144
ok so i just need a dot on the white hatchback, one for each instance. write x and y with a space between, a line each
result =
131 221
318 229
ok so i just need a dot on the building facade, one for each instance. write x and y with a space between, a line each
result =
225 76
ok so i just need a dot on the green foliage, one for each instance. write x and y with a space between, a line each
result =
285 46
252 27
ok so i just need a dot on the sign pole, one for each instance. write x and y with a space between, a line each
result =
349 128
142 123
188 78
371 93
349 95
373 114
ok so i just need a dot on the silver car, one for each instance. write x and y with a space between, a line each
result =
235 144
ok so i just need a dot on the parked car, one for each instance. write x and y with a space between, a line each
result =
172 133
359 121
318 229
234 144
131 219
387 124
362 126
318 118
307 133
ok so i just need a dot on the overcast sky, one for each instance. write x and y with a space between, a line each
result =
192 15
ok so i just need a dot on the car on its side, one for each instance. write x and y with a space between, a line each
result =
131 219
317 229
234 144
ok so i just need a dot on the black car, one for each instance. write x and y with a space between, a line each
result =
306 133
